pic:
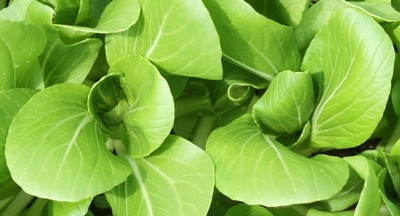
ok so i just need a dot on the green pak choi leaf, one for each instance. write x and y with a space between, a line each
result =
117 16
67 63
150 115
69 208
253 168
176 180
12 100
55 150
287 104
370 200
20 46
252 41
352 60
181 39
243 209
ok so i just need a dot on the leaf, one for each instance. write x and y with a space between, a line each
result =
243 209
255 43
177 179
392 206
55 150
287 12
67 63
15 11
66 12
370 200
253 168
181 39
11 100
107 101
151 112
69 208
117 16
353 68
287 104
315 212
19 51
319 14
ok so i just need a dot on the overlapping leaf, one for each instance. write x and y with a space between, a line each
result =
55 150
277 175
354 83
177 180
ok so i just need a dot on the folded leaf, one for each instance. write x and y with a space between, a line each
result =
243 209
55 150
117 16
287 104
181 39
151 110
352 60
69 208
176 180
253 168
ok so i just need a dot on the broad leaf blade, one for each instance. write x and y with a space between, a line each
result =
12 100
253 168
176 180
181 39
117 16
55 150
352 60
252 41
16 11
151 113
20 46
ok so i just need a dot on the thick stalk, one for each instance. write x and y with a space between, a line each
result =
18 204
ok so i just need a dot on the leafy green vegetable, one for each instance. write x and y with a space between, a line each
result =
59 143
203 107
20 67
257 44
177 179
243 209
269 186
15 99
366 67
288 102
181 39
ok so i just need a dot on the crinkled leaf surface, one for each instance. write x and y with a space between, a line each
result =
20 46
288 102
352 60
151 113
11 101
177 180
243 209
55 150
117 16
67 63
370 200
69 208
177 36
253 168
252 41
